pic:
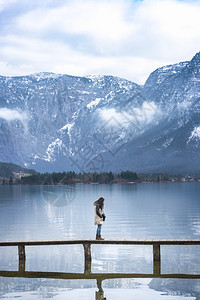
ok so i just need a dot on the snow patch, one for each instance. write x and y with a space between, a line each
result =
168 142
95 77
184 105
45 75
94 103
51 149
83 92
195 134
67 127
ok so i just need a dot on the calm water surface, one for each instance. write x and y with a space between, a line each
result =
170 210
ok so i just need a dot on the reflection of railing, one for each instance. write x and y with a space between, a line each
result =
99 295
88 258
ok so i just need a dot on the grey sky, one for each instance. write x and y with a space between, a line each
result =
124 38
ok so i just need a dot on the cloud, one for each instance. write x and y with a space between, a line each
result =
146 113
5 3
12 114
112 117
79 17
124 38
140 116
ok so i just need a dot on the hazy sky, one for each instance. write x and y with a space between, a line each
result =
124 38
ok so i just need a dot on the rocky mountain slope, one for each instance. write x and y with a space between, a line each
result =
53 122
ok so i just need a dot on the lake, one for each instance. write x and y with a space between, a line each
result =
151 210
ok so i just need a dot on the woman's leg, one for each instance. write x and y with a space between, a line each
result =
98 236
98 230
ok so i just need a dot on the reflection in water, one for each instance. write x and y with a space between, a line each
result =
74 280
100 293
133 211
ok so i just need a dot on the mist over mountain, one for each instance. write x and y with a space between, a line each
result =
53 122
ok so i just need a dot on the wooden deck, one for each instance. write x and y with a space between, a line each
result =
156 243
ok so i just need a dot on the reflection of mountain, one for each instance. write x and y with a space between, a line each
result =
55 122
177 287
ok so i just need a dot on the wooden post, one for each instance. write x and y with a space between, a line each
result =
22 258
156 259
21 252
22 265
88 258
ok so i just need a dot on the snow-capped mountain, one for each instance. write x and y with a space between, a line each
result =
54 122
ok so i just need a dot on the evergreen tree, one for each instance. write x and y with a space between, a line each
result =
128 175
11 180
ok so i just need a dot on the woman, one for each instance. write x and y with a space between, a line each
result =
99 216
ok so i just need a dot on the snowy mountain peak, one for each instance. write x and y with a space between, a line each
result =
196 57
194 65
45 75
160 74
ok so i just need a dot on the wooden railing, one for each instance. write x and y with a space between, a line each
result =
156 243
